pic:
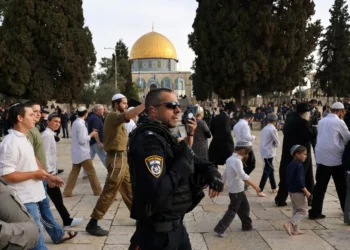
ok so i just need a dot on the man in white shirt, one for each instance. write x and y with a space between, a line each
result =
332 137
18 165
54 192
242 133
81 157
269 141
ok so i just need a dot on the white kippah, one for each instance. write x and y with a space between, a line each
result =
337 105
118 96
81 108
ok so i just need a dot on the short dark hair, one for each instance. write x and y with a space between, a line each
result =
117 101
299 150
14 111
247 149
53 115
153 97
32 103
82 113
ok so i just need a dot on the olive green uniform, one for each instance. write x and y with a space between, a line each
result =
17 229
118 177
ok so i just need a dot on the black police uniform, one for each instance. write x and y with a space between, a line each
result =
165 179
41 125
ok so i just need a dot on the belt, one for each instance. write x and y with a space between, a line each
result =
115 152
164 226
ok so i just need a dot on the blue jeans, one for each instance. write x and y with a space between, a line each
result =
100 152
33 210
51 226
268 174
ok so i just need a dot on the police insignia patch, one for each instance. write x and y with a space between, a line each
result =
155 165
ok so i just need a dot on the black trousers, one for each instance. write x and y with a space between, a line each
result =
238 205
268 174
57 199
249 165
145 238
323 175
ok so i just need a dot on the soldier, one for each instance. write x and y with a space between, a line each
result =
118 177
17 228
42 124
164 173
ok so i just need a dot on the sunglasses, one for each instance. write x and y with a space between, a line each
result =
169 105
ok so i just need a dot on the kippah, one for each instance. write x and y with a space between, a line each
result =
118 96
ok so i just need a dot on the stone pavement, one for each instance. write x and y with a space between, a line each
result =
330 233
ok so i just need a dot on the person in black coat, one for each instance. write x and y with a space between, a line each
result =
222 146
296 131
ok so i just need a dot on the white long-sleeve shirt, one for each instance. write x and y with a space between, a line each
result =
50 148
242 131
332 136
234 174
269 141
80 142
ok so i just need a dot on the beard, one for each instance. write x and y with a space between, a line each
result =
306 116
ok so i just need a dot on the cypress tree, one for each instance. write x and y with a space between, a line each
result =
46 51
258 46
333 72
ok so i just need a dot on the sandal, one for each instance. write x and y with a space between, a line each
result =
71 236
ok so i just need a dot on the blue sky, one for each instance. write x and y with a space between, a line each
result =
110 20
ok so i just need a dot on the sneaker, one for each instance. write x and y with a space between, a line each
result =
280 204
317 217
223 235
85 176
252 229
75 222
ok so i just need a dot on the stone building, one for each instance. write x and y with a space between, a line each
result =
154 65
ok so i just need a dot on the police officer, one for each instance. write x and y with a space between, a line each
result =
17 229
118 177
167 178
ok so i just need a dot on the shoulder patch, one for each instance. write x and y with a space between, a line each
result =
155 164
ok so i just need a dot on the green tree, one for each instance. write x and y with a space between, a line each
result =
258 46
333 72
87 96
46 52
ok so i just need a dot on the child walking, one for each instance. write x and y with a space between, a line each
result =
296 188
268 144
236 177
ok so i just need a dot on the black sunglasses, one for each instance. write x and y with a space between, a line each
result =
169 105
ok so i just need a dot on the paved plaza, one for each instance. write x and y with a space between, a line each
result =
329 233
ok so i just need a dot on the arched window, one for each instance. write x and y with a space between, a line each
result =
179 84
166 83
152 81
141 82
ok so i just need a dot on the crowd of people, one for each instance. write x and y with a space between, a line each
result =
160 175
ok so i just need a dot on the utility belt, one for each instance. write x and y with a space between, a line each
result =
164 226
115 152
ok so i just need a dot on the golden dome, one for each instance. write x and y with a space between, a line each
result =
153 45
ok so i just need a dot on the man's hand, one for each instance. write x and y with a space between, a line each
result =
40 174
93 134
100 146
55 181
215 187
191 126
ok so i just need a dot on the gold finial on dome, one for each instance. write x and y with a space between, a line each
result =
152 26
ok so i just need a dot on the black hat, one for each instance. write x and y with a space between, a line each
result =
43 110
303 107
133 102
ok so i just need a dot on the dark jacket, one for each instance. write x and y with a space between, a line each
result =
222 146
295 177
346 154
64 119
95 122
296 131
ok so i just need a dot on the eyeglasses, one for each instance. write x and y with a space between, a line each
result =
169 105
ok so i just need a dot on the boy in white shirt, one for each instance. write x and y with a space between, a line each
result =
268 145
236 177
